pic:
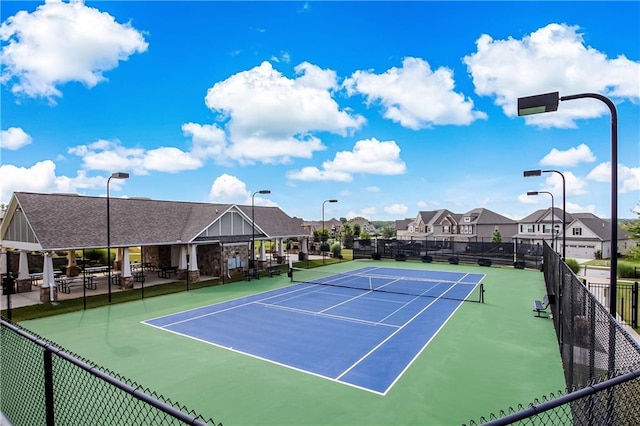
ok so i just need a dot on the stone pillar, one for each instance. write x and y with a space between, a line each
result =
126 283
72 266
48 291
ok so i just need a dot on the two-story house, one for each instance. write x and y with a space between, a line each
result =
587 236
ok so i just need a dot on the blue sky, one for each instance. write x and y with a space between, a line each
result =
389 107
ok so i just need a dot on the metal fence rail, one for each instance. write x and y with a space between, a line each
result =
510 252
601 361
43 384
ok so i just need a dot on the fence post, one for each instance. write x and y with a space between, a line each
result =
48 387
634 305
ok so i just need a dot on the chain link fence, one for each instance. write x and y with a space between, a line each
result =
601 361
45 385
483 251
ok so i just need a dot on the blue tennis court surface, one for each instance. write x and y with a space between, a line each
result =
355 336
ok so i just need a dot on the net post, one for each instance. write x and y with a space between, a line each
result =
481 292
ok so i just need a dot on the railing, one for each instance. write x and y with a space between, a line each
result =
601 361
43 384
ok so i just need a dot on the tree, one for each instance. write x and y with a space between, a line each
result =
348 236
388 232
356 229
365 238
634 229
497 237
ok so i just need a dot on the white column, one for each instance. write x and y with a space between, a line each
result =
47 275
305 245
263 254
193 258
126 263
182 261
281 247
23 268
3 261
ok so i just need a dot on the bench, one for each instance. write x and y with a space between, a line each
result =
138 276
274 270
540 307
167 271
484 261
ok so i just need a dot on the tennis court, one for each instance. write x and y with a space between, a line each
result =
486 357
362 328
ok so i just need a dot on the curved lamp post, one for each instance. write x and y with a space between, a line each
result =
116 175
253 226
530 173
322 243
552 213
549 102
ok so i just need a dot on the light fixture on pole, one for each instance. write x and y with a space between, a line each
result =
322 235
531 173
553 213
116 175
549 102
253 226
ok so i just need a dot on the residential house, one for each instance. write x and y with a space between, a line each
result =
587 236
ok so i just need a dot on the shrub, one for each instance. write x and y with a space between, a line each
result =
336 250
628 270
573 265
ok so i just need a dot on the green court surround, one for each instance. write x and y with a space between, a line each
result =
487 357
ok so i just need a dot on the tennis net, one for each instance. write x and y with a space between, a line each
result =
410 286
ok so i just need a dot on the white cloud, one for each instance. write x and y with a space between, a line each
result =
208 140
414 95
366 212
62 42
109 155
231 190
551 58
41 177
529 199
170 159
628 176
396 209
270 118
577 208
368 156
574 185
571 157
14 138
373 188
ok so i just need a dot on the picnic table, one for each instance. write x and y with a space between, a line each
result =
94 269
65 284
37 276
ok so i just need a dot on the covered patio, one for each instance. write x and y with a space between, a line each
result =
177 241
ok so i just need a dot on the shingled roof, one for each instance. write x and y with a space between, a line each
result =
69 221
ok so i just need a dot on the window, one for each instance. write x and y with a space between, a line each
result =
446 229
467 219
577 231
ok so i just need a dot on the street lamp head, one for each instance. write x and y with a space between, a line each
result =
120 175
538 104
264 191
531 173
333 201
532 192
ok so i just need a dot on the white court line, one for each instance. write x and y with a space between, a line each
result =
222 310
379 345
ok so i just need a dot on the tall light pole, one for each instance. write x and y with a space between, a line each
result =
553 213
253 226
530 173
322 235
549 102
116 175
